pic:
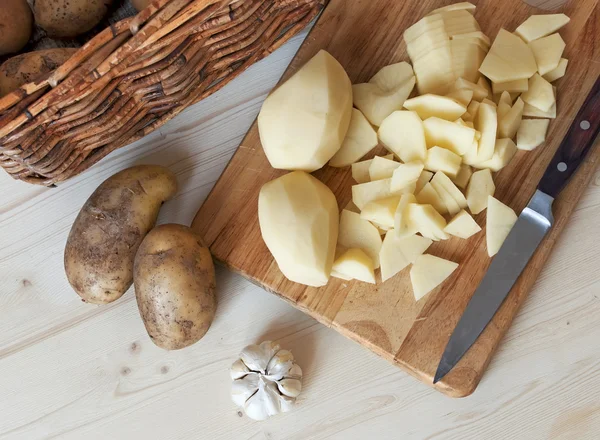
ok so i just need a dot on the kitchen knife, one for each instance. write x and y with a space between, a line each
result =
525 236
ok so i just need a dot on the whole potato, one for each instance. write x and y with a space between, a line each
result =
111 225
69 18
16 24
27 67
174 280
140 4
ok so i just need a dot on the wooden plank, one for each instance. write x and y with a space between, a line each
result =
364 36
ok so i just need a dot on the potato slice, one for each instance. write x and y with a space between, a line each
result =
355 232
462 225
487 123
558 71
532 133
547 52
360 170
381 212
355 264
303 122
538 26
429 196
479 92
402 133
499 222
459 21
480 187
440 159
423 179
298 218
385 92
429 105
462 96
379 189
486 85
472 109
515 86
441 179
539 94
449 135
401 226
503 109
503 153
360 139
406 174
467 56
464 175
532 112
428 272
509 58
382 168
427 221
470 7
448 200
507 128
470 157
478 35
397 253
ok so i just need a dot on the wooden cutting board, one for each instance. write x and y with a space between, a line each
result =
365 35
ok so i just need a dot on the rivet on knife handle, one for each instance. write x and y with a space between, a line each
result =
575 145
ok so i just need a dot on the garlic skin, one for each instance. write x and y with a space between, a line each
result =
266 381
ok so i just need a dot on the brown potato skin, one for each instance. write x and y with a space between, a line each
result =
110 227
16 24
25 68
69 18
140 4
174 279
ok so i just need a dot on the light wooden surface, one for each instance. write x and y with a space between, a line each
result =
385 317
69 370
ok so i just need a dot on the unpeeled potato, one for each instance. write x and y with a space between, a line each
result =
140 4
174 281
69 18
16 23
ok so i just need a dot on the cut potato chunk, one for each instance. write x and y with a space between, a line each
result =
397 253
505 98
423 179
355 264
379 189
440 159
428 272
464 175
385 92
462 96
538 26
509 58
516 86
480 187
298 218
355 232
539 94
451 204
402 133
429 196
427 221
467 56
558 71
532 112
382 168
470 157
507 128
532 133
381 212
429 105
441 179
472 109
406 174
360 139
360 170
547 52
478 35
470 7
459 21
303 122
479 92
486 85
449 135
489 102
503 109
499 222
503 153
487 123
462 225
401 226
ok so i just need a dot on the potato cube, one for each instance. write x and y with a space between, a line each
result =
448 135
360 170
427 221
515 86
480 187
499 222
462 225
401 226
429 105
449 202
532 133
508 125
406 174
464 175
538 26
360 139
503 153
397 253
429 196
428 272
509 58
479 92
440 159
444 181
355 232
381 168
540 93
558 71
462 96
381 212
547 52
402 133
423 179
355 264
379 189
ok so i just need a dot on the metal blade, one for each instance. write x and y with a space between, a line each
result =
522 241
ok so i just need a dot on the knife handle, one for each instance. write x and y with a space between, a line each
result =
575 146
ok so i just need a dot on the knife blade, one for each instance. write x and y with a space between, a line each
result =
526 235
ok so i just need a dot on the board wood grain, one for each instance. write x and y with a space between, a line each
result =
365 36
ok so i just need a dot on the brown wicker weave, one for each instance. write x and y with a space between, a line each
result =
136 75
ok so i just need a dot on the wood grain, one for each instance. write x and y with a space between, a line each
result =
73 371
385 318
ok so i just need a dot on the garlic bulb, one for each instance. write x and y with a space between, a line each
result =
266 381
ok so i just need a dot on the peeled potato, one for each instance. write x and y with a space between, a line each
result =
16 23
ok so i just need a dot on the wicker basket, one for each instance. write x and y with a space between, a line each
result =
134 76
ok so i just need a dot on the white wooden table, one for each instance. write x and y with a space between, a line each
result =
70 370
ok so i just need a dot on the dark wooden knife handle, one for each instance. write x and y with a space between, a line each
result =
575 146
